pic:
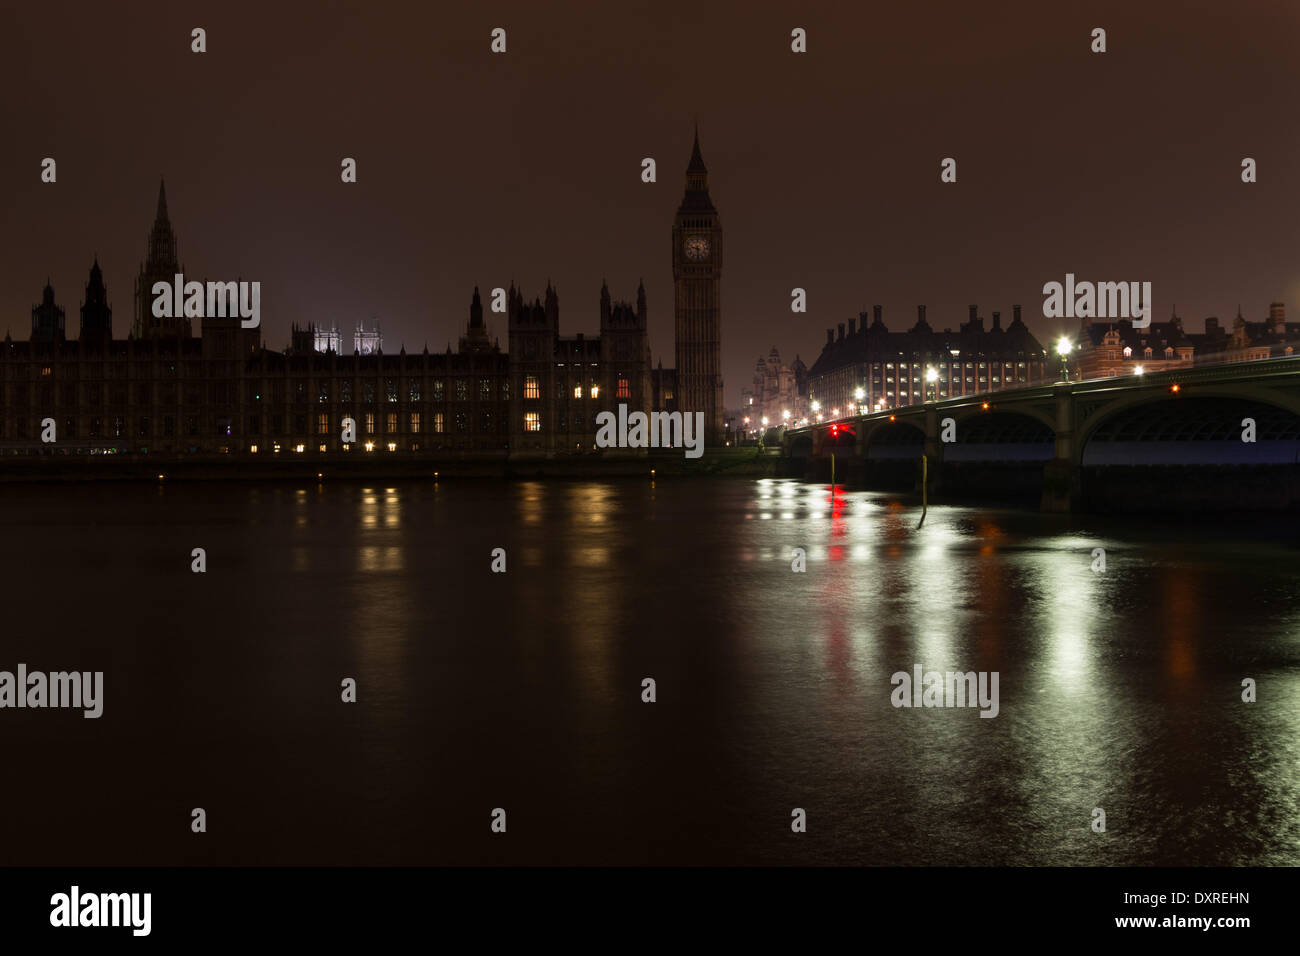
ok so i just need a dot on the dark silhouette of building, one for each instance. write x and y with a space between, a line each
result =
164 391
47 318
160 265
96 314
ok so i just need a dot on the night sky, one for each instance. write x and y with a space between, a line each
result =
477 168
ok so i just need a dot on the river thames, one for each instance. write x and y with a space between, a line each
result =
1120 689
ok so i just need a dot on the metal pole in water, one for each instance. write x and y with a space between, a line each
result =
925 490
832 474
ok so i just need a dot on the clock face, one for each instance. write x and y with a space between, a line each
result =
697 248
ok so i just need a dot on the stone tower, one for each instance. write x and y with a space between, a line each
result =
96 315
160 265
697 301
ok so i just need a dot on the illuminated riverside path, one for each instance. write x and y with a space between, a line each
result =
1118 689
1184 419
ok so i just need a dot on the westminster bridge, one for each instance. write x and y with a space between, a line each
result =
1222 436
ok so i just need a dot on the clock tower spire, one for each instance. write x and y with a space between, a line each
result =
697 300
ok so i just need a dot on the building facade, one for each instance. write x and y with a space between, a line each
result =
1108 349
1249 341
777 392
889 368
1116 348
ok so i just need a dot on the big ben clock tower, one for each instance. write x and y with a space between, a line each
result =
697 300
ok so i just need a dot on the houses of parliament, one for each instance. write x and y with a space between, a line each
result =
164 390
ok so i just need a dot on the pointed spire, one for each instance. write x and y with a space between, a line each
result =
697 160
162 200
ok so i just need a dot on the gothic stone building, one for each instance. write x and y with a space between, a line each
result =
777 389
164 390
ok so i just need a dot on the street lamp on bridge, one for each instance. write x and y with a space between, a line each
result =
1063 349
931 376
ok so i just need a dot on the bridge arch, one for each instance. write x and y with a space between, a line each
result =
801 445
1001 435
964 415
896 439
1200 429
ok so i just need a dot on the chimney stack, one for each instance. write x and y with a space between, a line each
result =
920 315
997 320
830 336
1015 312
1277 317
875 312
841 327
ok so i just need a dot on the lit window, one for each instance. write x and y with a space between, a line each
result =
322 424
415 423
577 391
595 391
437 422
623 390
531 388
370 423
532 422
390 423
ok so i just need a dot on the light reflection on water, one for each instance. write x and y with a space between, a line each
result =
1118 690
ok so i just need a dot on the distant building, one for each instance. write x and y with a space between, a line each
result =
367 341
1248 341
889 367
328 340
1108 349
776 389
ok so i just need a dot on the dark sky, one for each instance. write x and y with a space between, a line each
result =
476 168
